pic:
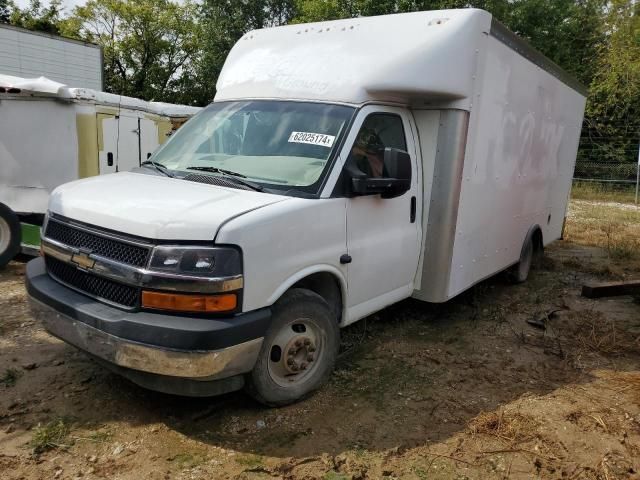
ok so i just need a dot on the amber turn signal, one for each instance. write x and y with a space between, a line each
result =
189 303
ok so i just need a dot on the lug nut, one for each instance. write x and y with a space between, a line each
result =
311 349
309 358
307 342
298 343
294 367
292 351
291 361
303 366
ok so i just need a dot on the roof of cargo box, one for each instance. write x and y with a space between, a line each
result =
44 87
388 57
400 58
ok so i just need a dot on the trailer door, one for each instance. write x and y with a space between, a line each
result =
148 138
128 143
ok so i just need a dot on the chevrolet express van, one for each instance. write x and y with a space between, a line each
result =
343 166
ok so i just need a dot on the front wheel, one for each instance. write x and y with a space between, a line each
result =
9 235
299 350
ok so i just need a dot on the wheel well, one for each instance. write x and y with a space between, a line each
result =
328 287
536 237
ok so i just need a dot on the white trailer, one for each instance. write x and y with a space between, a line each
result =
27 54
51 134
342 167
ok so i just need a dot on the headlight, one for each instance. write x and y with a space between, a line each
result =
196 261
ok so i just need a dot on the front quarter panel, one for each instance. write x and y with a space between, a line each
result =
286 242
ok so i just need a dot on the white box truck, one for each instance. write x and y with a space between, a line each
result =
51 134
343 166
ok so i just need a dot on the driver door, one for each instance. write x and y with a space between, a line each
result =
383 234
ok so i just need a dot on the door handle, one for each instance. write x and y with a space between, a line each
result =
110 159
412 213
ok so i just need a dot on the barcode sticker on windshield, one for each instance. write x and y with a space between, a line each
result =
312 138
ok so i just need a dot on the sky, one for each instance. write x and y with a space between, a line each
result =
69 4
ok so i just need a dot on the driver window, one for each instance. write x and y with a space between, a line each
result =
379 131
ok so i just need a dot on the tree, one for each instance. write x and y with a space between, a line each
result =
223 23
149 45
613 110
5 11
37 17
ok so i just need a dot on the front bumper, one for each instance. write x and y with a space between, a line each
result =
200 349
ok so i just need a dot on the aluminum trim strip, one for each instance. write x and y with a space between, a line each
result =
142 277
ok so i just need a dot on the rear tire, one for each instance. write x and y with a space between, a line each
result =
519 272
299 350
9 235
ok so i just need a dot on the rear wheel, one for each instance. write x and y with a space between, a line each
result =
299 350
519 272
9 235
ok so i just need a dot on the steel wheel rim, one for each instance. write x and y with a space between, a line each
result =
304 336
5 235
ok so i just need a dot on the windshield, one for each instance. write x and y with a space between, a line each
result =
282 145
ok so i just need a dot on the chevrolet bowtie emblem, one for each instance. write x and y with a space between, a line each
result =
83 260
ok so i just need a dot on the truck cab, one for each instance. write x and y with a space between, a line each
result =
324 183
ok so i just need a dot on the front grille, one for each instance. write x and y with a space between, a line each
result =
106 247
95 286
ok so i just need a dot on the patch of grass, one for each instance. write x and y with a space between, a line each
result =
10 377
593 331
612 226
603 192
250 461
188 460
334 476
50 436
510 426
100 436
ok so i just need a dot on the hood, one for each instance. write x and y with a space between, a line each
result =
155 207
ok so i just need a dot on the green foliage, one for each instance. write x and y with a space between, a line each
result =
223 23
169 50
149 45
613 110
5 11
50 436
10 377
37 16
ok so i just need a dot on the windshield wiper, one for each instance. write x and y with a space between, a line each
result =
234 176
159 167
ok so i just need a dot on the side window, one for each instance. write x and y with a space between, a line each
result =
379 131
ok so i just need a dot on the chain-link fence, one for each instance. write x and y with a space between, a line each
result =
610 161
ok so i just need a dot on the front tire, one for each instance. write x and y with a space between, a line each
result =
299 350
9 235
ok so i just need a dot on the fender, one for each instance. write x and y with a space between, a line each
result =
310 270
530 234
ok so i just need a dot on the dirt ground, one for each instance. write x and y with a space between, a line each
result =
470 389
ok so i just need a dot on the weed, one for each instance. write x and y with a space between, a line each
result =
188 460
334 476
10 377
100 436
250 461
50 436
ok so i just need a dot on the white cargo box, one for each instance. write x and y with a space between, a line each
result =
497 123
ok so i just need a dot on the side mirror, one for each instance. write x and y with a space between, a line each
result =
396 178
